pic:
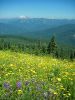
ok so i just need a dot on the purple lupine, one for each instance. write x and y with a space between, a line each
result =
19 84
6 85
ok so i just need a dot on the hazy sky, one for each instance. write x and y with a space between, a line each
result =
37 8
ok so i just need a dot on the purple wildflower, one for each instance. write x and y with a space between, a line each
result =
19 84
6 85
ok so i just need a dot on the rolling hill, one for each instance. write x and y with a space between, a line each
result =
40 28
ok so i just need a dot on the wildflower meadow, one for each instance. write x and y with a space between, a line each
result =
31 77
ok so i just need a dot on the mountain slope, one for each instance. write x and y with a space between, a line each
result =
34 24
40 28
64 34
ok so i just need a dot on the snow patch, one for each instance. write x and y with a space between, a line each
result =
23 17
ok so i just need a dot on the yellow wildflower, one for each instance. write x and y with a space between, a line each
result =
6 74
69 94
11 64
55 93
59 79
19 92
33 71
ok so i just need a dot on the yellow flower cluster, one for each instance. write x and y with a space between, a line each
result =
19 92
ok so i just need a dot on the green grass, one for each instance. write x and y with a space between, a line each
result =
30 77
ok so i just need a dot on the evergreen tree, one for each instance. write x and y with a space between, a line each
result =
56 54
9 45
43 49
74 54
52 46
1 44
71 56
62 55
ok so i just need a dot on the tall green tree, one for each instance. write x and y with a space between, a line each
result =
52 45
71 56
74 54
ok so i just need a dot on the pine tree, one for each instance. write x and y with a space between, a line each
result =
52 45
43 49
56 54
62 55
71 56
74 54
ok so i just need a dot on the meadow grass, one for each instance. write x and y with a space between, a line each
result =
31 77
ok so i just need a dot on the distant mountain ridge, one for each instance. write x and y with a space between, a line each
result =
40 28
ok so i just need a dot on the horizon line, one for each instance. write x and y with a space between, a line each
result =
27 17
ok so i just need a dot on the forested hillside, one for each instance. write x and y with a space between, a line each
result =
37 46
40 28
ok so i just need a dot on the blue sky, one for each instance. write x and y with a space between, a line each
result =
38 8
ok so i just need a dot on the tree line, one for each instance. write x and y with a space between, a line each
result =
38 47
